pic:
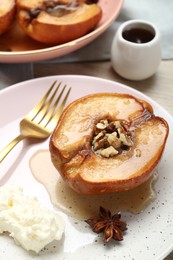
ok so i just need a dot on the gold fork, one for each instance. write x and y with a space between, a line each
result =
41 120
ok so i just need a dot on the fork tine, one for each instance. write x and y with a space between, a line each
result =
53 121
37 108
44 109
51 111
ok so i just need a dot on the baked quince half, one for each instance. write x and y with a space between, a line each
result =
107 142
57 21
7 14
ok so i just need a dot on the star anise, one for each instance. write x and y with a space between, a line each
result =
111 226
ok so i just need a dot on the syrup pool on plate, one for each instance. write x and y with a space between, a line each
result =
84 206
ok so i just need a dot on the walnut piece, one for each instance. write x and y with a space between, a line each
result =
108 152
110 138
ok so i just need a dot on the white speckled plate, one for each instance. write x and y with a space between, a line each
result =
150 233
24 49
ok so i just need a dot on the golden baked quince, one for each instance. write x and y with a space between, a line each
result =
107 142
7 13
57 21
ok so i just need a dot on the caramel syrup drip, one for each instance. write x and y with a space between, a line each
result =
137 121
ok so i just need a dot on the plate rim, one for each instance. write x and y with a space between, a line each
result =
129 88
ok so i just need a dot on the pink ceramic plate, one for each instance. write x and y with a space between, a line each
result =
25 49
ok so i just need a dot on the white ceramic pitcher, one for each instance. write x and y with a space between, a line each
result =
136 59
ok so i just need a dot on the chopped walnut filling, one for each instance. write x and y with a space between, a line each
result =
110 138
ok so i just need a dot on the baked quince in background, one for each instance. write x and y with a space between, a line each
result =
7 14
107 142
57 21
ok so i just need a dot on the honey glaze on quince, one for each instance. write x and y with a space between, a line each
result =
59 8
84 206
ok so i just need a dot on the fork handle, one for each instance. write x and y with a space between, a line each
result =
10 146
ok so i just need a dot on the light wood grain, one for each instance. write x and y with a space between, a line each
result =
159 87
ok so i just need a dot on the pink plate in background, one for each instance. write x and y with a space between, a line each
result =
28 50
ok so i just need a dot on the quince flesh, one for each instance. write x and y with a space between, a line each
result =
59 23
90 173
7 13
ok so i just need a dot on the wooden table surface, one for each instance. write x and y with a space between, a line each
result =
159 87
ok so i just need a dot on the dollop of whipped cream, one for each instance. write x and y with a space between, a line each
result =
30 224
